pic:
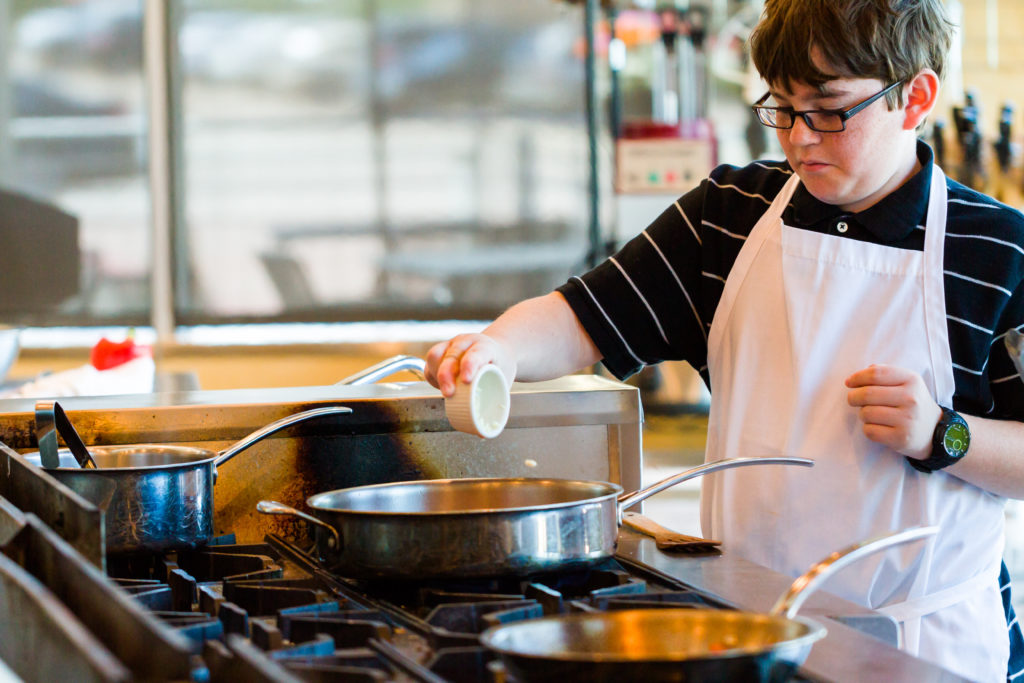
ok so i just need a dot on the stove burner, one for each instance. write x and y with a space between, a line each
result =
286 614
470 606
271 602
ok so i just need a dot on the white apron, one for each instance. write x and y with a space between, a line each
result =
800 312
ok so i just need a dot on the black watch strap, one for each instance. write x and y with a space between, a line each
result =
950 442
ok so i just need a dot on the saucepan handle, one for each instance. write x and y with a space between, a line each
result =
271 507
627 500
273 427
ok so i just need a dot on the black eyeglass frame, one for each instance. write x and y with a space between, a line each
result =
843 114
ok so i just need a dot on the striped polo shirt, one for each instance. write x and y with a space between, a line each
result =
654 300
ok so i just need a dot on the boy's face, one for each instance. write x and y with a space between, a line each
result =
857 167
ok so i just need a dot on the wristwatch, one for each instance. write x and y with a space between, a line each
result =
950 442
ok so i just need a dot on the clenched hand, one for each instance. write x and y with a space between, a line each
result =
896 408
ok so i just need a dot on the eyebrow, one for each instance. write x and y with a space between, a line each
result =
823 93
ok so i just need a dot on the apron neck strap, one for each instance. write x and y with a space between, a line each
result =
781 200
935 220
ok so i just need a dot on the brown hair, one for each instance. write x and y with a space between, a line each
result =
891 40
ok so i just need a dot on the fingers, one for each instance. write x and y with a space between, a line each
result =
433 360
895 408
447 363
480 353
891 437
898 433
458 359
881 375
891 427
885 385
878 395
884 416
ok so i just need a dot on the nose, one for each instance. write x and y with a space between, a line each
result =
802 134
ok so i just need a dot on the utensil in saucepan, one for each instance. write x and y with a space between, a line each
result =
158 497
446 528
674 644
51 420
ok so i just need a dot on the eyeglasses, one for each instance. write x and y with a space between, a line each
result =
820 120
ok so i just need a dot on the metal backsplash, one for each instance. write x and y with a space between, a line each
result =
581 427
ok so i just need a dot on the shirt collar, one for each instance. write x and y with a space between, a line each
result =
890 220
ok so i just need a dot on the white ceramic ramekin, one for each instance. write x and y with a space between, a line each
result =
480 407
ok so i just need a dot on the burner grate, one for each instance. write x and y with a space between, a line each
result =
262 598
318 626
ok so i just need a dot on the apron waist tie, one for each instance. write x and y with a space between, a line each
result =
909 612
933 602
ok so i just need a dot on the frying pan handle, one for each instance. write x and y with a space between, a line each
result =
272 507
801 589
384 369
273 427
627 500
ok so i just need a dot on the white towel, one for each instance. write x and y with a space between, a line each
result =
133 377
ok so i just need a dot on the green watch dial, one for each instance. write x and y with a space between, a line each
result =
956 439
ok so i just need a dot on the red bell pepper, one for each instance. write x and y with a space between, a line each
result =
108 354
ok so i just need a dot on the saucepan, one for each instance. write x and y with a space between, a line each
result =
673 644
158 497
462 528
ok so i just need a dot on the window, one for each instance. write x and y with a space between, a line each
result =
73 141
332 160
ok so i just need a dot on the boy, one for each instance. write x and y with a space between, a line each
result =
841 306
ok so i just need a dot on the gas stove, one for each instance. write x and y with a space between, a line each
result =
255 605
268 612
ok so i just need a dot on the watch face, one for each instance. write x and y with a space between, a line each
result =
956 439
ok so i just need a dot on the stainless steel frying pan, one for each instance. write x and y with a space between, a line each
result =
674 644
445 528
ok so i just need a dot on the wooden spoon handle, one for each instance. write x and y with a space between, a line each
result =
644 524
665 538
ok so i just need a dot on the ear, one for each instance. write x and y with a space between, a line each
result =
922 93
